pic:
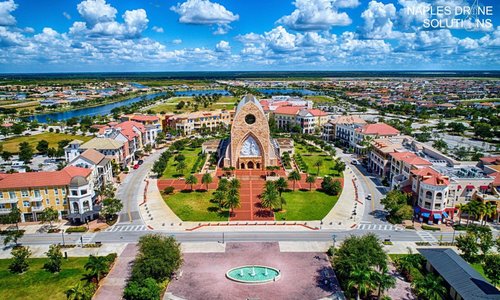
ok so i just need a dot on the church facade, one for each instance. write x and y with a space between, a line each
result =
250 145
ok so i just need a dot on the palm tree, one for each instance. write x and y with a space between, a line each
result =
430 287
234 184
384 280
294 176
474 209
489 211
233 199
206 179
361 280
318 164
281 185
460 210
97 267
192 180
223 185
80 291
310 179
270 196
180 167
219 197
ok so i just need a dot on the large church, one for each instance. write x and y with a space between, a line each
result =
250 145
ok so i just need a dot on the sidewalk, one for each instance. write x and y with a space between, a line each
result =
341 217
155 212
112 285
38 251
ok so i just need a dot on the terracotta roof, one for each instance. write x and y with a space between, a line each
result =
93 155
102 144
348 120
410 158
378 129
42 179
496 178
431 176
425 171
144 118
287 110
317 112
494 160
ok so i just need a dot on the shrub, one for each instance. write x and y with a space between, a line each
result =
76 229
146 289
54 259
169 190
422 243
432 228
19 261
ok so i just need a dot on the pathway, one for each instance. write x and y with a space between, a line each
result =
112 285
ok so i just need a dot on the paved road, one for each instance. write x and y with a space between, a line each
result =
236 236
131 191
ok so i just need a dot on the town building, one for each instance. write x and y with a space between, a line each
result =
102 170
114 150
70 191
309 120
188 123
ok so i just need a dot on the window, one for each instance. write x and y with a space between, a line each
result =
12 195
56 191
57 201
1 195
46 191
37 193
428 195
65 201
64 192
25 193
83 192
26 203
47 201
74 193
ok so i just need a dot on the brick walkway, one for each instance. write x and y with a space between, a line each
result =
112 285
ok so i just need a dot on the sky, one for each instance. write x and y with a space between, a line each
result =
39 36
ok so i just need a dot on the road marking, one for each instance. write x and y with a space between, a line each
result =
381 227
426 236
122 228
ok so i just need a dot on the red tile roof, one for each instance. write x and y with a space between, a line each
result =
410 158
287 110
496 178
42 179
144 118
317 112
493 160
381 129
431 176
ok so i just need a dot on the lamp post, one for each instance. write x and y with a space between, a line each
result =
334 238
453 237
62 234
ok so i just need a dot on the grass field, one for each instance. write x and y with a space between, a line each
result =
37 283
12 144
306 206
310 155
321 99
195 206
191 155
226 102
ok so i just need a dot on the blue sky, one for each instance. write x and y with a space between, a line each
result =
192 35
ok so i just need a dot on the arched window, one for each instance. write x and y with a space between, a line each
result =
439 196
428 195
250 165
242 165
76 208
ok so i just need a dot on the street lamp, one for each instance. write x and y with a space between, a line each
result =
62 234
334 237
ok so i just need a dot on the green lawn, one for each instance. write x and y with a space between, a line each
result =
306 206
37 283
191 155
320 99
225 102
12 144
310 155
195 206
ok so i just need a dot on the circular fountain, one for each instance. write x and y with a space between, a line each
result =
253 274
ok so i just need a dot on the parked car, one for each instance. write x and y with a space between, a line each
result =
140 162
354 162
136 166
368 197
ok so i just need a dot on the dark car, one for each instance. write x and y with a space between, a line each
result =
140 162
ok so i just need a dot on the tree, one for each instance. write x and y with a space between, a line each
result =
147 289
50 215
331 186
310 179
42 146
430 287
159 167
318 165
80 291
148 148
234 184
55 259
339 166
362 280
457 127
270 196
491 265
14 216
220 198
158 258
13 236
468 245
281 185
97 267
108 191
191 180
6 155
440 145
233 199
407 262
111 207
294 176
25 152
383 280
19 261
206 179
180 167
395 202
483 130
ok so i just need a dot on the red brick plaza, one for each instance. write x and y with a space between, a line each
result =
252 185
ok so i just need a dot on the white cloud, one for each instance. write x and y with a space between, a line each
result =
223 46
378 20
279 40
177 41
158 29
96 11
6 8
136 21
311 15
346 3
204 12
249 38
66 15
468 44
8 38
349 42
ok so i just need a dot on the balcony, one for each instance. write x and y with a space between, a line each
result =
37 208
36 199
4 211
8 200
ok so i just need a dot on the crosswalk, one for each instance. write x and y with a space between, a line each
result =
87 238
427 236
124 228
383 227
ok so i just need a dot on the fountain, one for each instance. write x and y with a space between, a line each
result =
253 274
